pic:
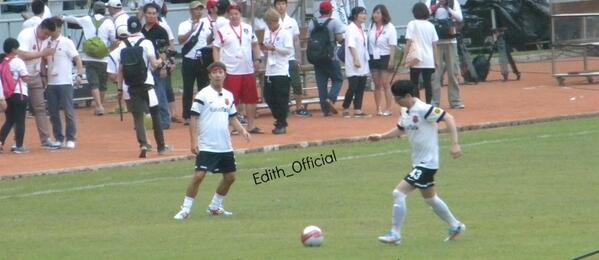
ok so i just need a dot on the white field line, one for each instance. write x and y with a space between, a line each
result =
353 157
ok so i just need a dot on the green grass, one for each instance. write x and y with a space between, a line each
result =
525 193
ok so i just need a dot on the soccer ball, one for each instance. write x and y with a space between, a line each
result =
312 236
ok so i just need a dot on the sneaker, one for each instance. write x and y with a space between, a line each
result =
392 237
454 232
458 106
69 145
165 150
51 145
20 150
143 153
387 113
303 113
99 112
183 214
361 114
279 130
346 114
220 211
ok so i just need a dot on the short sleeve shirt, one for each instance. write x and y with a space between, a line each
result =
235 45
357 39
204 33
18 71
423 33
28 42
113 65
382 41
290 25
60 65
420 124
214 110
335 26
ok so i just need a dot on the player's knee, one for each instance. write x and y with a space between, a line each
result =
398 195
229 177
198 177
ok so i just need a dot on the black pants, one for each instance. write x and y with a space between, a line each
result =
355 92
193 71
15 115
139 103
276 94
426 82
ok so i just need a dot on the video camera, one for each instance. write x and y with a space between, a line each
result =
163 48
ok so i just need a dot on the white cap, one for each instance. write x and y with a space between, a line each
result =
114 3
122 31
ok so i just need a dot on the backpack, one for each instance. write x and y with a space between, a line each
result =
481 64
135 70
320 48
8 82
446 28
95 47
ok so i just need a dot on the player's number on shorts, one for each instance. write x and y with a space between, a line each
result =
415 174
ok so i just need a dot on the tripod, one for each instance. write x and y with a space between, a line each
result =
505 54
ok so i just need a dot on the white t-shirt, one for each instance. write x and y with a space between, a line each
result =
423 33
218 23
167 28
420 124
18 70
33 21
357 39
106 31
29 42
214 110
186 26
277 62
120 19
112 67
382 41
46 13
236 48
290 25
60 65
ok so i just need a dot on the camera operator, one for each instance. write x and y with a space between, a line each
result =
159 38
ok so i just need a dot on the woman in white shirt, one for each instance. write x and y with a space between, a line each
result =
17 103
382 39
422 33
356 62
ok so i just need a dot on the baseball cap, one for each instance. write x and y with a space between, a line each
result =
114 3
122 31
211 4
196 4
326 6
133 24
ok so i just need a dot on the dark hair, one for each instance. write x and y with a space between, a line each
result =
58 22
48 24
355 12
420 11
401 88
276 1
222 6
37 7
151 5
384 13
10 44
216 64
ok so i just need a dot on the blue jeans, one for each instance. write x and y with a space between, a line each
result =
323 73
61 96
163 108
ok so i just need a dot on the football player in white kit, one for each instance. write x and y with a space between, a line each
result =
418 121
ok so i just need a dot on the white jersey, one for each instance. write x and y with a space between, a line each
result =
420 124
235 45
214 109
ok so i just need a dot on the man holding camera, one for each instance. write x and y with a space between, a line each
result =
194 34
159 38
447 53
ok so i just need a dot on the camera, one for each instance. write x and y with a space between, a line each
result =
163 48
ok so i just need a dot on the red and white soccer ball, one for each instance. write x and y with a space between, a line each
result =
312 236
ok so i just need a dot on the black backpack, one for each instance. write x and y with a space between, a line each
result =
481 65
135 70
320 48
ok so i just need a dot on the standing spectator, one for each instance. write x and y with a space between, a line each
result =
45 13
159 38
193 35
278 47
422 33
142 94
60 85
213 111
290 25
113 66
382 39
330 69
31 50
16 105
37 7
119 17
222 8
96 25
356 62
447 54
233 46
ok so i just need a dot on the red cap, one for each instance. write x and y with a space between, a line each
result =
211 4
326 6
234 7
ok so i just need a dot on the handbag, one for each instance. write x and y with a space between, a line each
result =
414 56
191 42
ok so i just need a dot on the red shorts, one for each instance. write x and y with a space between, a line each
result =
243 88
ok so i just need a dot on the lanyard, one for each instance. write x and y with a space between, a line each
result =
378 33
238 35
37 43
361 33
55 47
273 36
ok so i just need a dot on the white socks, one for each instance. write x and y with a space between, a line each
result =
441 209
217 201
188 203
399 210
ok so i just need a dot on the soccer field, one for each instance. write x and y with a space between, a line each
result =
526 192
